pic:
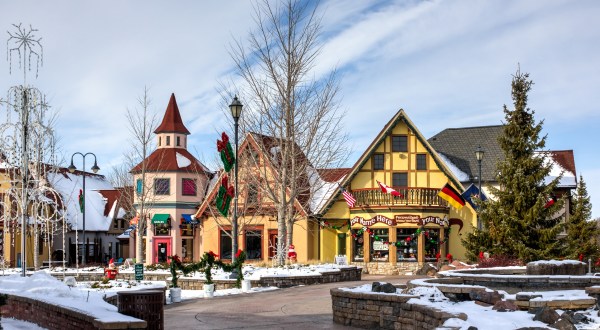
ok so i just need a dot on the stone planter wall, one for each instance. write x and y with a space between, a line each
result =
58 318
387 268
380 311
345 274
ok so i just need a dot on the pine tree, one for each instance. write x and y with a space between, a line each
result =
582 234
516 222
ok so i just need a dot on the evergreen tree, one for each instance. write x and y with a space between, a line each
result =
582 234
517 222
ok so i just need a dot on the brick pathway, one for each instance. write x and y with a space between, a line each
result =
307 307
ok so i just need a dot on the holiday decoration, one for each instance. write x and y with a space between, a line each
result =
292 253
224 148
81 200
388 190
224 196
449 257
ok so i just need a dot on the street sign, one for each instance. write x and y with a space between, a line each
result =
139 272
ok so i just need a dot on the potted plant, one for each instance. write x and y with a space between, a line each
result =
175 290
208 261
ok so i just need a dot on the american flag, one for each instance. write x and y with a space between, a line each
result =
350 200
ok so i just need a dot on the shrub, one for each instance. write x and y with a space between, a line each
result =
500 260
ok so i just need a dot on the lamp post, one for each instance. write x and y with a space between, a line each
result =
94 169
479 155
236 112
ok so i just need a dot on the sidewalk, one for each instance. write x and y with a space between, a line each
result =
307 307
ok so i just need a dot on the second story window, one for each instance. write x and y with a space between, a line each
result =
162 187
188 187
252 196
138 186
400 143
421 162
178 141
400 179
378 161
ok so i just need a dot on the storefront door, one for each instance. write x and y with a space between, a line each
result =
162 249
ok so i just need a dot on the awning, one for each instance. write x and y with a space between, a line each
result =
187 218
160 218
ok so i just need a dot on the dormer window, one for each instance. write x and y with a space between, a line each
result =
168 141
178 141
159 141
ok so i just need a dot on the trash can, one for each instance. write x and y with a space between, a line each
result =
145 305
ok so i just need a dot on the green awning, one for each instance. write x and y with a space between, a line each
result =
160 219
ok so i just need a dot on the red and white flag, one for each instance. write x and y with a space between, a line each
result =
550 202
389 190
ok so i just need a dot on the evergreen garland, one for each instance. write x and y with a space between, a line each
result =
206 264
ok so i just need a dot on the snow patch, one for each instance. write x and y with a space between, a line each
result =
182 161
460 175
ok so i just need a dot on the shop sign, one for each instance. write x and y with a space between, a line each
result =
410 218
436 220
372 221
380 246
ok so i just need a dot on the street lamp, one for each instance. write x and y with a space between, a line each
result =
236 112
94 169
479 155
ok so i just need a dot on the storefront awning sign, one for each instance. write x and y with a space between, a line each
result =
372 221
160 218
187 218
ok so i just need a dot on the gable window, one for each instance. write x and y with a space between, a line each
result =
400 143
138 186
178 141
168 141
421 162
188 187
400 179
378 161
162 186
252 196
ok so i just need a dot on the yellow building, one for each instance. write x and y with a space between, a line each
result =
395 234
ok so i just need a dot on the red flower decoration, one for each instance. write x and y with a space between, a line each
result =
213 254
437 256
408 239
449 257
481 255
238 253
176 259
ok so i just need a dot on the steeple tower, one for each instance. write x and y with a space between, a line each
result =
171 131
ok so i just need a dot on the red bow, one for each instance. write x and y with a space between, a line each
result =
222 144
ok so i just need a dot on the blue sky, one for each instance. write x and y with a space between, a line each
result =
446 63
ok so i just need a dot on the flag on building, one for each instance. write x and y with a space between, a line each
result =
389 190
473 191
550 201
350 200
452 196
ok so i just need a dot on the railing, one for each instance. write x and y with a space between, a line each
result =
409 197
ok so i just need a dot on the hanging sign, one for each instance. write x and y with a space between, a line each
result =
372 221
407 218
436 220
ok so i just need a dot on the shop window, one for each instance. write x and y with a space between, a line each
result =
187 249
186 228
378 161
358 245
162 186
188 187
407 244
225 244
400 179
379 247
253 244
162 229
400 143
432 243
421 162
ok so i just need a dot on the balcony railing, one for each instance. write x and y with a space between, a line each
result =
409 197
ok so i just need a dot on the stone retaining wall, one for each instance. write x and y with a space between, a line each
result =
381 311
58 318
387 268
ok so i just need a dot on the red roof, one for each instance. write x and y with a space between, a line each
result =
565 159
111 197
165 159
333 174
172 122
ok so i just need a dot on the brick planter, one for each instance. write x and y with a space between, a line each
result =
384 311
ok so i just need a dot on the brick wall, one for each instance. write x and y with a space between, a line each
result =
58 318
381 311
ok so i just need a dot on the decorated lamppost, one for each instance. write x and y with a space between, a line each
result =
94 169
236 112
479 155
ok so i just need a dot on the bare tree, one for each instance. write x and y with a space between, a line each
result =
293 109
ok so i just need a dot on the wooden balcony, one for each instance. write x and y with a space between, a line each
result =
411 197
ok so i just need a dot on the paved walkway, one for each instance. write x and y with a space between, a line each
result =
306 307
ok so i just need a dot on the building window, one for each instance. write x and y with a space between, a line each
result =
421 162
400 143
254 244
188 187
178 141
138 186
358 245
225 244
380 250
407 242
252 195
168 141
378 161
187 249
162 229
159 141
162 186
432 243
400 179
